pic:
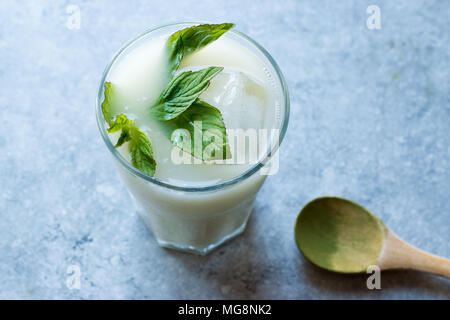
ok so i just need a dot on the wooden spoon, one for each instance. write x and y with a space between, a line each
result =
341 236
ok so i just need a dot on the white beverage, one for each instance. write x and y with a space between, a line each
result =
248 94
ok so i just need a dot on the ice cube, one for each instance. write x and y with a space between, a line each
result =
240 98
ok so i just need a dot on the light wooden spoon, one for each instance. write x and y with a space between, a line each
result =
341 236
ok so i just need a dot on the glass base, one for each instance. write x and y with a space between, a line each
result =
198 236
205 250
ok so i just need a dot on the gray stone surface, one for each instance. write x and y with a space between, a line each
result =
370 122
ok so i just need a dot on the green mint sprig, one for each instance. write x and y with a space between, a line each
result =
179 106
179 103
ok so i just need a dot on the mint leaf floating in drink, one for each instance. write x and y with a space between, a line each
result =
196 37
189 40
140 148
174 49
121 123
181 93
141 152
204 122
107 102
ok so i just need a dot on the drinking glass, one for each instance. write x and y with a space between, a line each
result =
196 219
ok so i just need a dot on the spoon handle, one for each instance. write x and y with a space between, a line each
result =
398 254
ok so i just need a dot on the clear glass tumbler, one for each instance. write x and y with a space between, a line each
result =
196 219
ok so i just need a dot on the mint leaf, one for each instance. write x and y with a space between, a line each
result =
141 152
125 136
181 92
119 122
140 147
196 37
204 122
107 101
174 48
189 40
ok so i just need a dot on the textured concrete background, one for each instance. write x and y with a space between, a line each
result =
370 122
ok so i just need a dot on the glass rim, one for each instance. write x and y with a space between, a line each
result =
246 174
